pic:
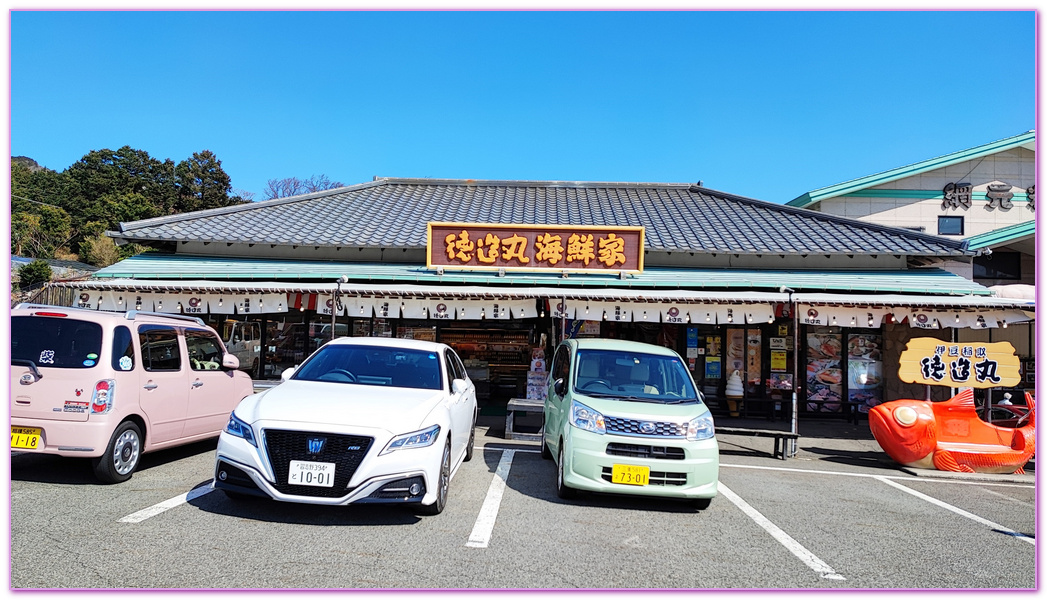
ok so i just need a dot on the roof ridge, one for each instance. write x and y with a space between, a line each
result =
551 183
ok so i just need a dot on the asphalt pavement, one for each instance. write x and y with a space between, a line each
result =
824 442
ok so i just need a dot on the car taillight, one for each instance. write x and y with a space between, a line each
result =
102 399
49 314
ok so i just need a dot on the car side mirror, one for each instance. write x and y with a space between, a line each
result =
230 362
458 386
287 373
560 387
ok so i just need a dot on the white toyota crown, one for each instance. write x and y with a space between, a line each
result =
361 420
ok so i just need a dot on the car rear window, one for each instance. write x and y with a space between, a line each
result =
56 342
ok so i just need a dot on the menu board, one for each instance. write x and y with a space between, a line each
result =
824 373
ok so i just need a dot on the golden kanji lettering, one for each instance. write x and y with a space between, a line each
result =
580 248
459 246
513 248
612 250
548 248
491 243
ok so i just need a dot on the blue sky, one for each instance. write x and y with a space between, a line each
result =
768 105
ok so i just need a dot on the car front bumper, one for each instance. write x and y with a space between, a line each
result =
692 474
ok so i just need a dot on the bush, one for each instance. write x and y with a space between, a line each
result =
34 273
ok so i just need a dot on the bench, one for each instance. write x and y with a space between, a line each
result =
848 410
522 406
779 437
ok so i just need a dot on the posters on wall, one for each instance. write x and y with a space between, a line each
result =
824 373
864 370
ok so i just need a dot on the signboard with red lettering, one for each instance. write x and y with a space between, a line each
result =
587 248
932 361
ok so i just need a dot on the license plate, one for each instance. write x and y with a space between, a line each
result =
26 438
630 474
316 474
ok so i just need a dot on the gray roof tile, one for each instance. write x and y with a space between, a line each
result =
678 217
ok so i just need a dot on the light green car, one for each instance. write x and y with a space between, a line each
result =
626 418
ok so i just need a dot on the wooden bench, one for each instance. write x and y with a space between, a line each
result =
780 450
522 405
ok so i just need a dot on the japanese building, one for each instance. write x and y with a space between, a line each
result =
791 300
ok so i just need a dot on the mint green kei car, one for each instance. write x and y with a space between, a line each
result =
625 418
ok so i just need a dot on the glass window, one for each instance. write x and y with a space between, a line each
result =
618 374
950 225
373 365
561 364
159 348
57 342
205 353
123 349
998 265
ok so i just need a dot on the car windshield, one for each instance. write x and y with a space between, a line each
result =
373 365
634 376
56 342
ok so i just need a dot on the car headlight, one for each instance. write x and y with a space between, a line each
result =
700 428
240 429
586 418
415 439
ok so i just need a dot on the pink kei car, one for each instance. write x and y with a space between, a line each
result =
111 386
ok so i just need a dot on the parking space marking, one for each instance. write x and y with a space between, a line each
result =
959 511
484 525
873 476
166 505
816 564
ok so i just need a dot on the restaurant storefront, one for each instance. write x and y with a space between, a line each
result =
792 309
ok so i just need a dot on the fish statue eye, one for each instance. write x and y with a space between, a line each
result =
905 415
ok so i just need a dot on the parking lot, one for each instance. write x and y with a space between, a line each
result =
827 519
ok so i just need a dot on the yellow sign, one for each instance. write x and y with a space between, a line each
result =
932 361
779 361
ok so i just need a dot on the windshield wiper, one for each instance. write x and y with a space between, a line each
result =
28 363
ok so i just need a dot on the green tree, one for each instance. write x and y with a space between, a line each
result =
33 274
202 183
99 250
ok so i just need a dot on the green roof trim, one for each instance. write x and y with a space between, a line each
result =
1019 197
1005 235
161 266
849 187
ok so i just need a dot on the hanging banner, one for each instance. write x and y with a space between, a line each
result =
931 361
86 299
326 305
921 319
561 309
609 311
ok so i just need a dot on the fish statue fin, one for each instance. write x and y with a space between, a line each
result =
964 399
1031 402
945 461
1020 471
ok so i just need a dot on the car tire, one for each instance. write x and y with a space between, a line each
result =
701 503
442 484
561 488
121 455
472 440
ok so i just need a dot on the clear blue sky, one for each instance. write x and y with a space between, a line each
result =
762 104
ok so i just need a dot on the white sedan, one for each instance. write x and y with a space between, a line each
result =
361 420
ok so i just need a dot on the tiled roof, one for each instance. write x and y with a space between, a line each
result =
392 213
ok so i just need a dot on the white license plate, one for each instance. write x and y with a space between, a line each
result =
318 474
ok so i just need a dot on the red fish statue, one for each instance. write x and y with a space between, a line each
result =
950 436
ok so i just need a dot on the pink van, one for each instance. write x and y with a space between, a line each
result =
111 386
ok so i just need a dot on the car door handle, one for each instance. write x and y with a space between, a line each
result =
150 386
197 383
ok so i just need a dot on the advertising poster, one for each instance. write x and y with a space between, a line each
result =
753 356
735 350
864 370
824 372
779 361
712 367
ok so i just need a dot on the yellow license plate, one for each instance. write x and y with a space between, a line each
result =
630 474
27 438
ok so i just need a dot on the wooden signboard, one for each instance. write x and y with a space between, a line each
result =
588 248
931 361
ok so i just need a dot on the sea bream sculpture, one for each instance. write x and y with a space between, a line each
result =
950 436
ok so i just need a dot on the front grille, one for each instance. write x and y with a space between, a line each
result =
656 477
284 446
635 427
638 451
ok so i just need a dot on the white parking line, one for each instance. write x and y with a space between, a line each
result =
816 564
874 476
959 511
484 525
166 505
